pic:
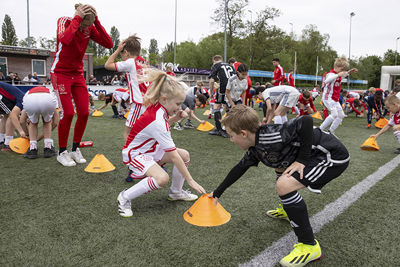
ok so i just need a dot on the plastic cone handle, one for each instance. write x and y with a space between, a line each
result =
204 213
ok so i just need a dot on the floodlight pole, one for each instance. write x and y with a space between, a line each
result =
225 11
27 15
176 3
352 14
395 55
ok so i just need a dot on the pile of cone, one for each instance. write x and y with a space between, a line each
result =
205 213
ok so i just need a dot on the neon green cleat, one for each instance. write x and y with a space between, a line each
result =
278 213
301 255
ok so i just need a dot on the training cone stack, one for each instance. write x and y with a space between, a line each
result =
370 144
99 164
205 127
97 113
381 123
126 115
317 115
19 145
205 213
207 112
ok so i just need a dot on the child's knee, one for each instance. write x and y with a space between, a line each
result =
162 179
184 155
283 187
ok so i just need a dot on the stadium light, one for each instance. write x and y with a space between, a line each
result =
176 2
225 11
27 17
395 55
352 14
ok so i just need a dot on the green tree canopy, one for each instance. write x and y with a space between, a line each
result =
8 34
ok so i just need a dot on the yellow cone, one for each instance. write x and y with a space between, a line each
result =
370 144
204 213
207 112
126 115
99 164
317 115
19 145
97 113
381 123
205 127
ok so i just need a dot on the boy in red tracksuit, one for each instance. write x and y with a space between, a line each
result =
279 73
306 104
353 104
73 35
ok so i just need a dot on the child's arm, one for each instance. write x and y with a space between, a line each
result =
228 95
195 117
384 129
110 63
102 107
178 162
270 112
178 116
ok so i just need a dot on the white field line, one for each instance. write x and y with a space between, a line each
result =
280 248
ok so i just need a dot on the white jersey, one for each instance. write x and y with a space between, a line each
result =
276 94
236 87
149 135
354 95
129 67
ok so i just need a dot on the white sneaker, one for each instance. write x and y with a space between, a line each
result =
65 159
77 156
124 206
185 195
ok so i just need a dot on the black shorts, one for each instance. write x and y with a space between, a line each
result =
6 105
220 98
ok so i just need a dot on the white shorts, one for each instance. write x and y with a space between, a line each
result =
117 97
37 104
136 111
334 107
139 164
290 98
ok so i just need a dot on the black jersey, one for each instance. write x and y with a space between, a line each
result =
222 71
279 145
109 98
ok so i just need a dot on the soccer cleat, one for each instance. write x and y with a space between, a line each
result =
49 152
209 116
188 125
31 154
185 195
397 151
368 126
65 159
77 156
278 213
215 132
115 116
6 148
224 134
124 205
302 254
178 126
129 178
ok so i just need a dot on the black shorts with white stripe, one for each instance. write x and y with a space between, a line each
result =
220 98
6 105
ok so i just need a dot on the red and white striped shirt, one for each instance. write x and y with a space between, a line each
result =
72 43
394 119
149 133
279 75
332 85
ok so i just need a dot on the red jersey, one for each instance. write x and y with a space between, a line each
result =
170 73
332 85
279 75
290 80
72 43
142 64
351 102
394 119
305 102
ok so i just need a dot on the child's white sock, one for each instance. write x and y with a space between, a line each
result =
177 180
8 139
326 122
278 120
284 119
144 186
397 135
33 145
48 143
2 137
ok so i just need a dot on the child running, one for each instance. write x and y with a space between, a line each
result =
331 93
393 104
150 146
301 156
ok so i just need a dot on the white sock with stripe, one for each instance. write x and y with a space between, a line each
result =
397 135
284 119
48 142
144 186
177 180
33 145
277 120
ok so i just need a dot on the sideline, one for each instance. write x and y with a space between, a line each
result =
273 254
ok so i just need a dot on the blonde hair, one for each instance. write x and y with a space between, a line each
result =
101 97
241 117
372 90
392 99
342 62
161 85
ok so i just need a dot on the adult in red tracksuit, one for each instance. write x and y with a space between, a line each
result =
73 35
279 73
290 79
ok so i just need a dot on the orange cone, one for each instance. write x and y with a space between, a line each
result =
317 115
205 127
126 115
204 213
381 123
99 164
207 112
19 145
370 144
97 113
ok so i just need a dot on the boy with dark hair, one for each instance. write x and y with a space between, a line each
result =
306 104
301 156
375 103
223 71
279 73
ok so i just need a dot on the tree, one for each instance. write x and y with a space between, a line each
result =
234 15
8 34
50 44
167 54
154 57
24 42
369 68
114 34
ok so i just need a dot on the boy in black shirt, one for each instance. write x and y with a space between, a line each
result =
301 156
223 71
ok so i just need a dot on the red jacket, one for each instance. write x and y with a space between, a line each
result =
279 75
72 43
351 102
290 80
305 102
